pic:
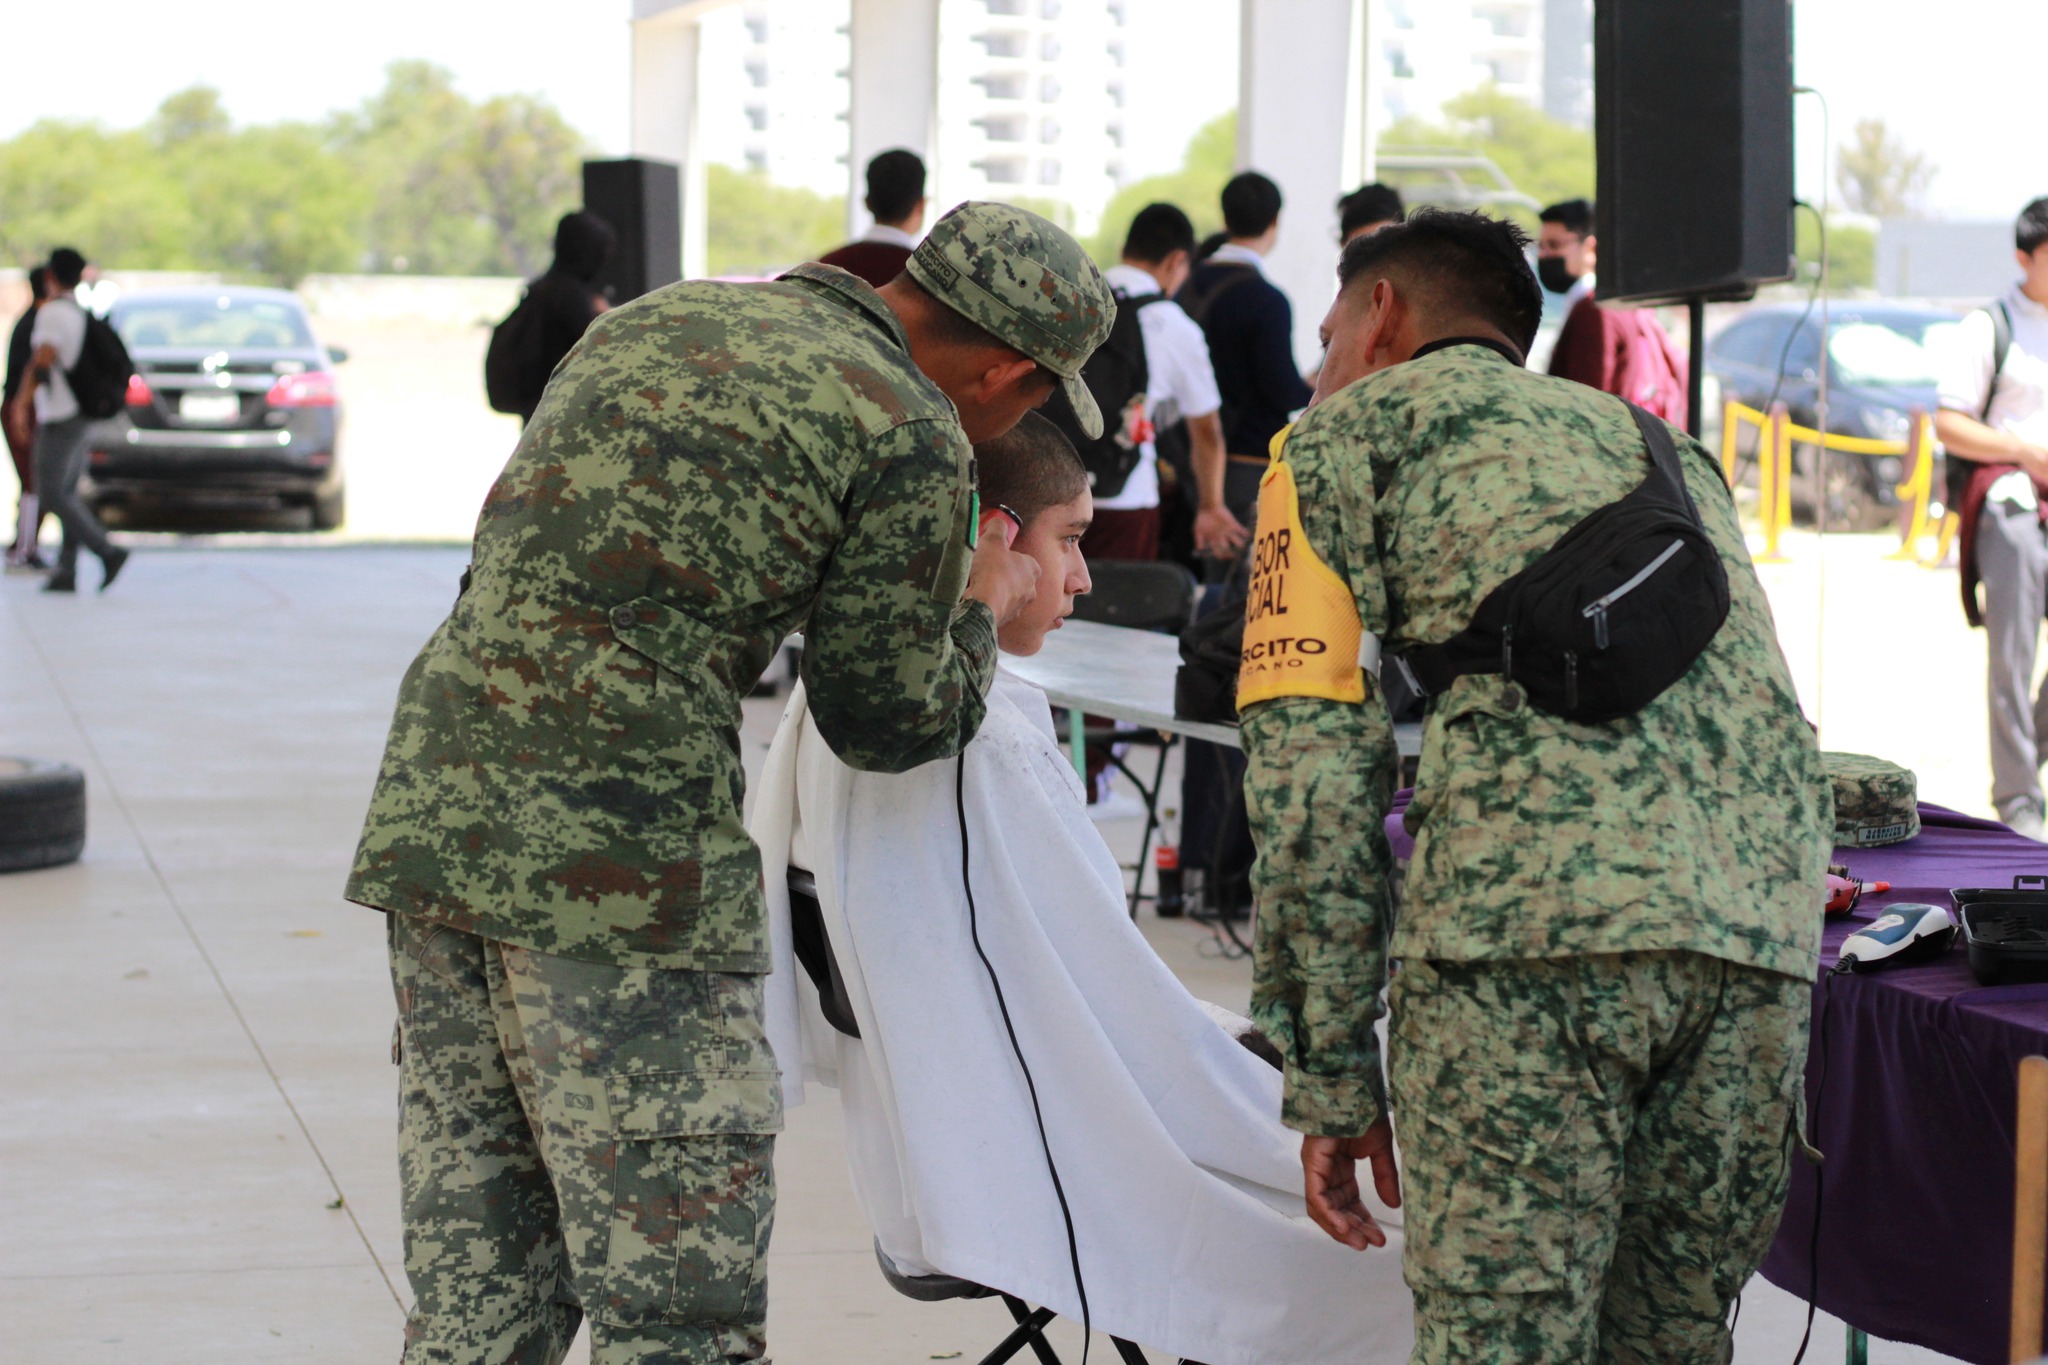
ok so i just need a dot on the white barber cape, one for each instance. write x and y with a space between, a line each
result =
1184 1186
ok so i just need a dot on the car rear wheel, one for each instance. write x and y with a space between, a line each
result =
330 510
42 814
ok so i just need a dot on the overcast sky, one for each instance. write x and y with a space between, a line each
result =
1959 80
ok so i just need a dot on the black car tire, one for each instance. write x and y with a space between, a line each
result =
42 814
330 510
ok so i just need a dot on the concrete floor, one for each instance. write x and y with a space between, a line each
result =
196 1099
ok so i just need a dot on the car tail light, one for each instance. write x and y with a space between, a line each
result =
313 389
139 395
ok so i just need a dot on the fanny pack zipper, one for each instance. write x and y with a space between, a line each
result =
1597 611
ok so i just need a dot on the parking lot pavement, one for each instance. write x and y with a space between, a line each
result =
196 1097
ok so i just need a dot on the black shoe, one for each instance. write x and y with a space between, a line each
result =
112 561
62 582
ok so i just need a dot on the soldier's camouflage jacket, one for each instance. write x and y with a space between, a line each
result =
1701 823
712 467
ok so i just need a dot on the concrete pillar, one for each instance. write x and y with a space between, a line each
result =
665 118
893 79
1303 119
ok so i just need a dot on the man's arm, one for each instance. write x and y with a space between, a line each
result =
1319 780
1963 435
896 664
1964 363
1217 531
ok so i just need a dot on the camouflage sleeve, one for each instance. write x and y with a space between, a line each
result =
896 665
1318 783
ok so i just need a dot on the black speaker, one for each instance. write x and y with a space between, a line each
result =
639 198
1692 115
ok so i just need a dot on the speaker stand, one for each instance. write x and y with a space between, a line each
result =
1696 362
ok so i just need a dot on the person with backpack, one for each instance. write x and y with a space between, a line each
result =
1622 351
1609 931
555 312
1154 370
1249 324
1993 422
75 363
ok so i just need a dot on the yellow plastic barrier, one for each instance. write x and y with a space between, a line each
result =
1776 432
1773 466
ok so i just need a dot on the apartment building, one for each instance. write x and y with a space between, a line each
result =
1432 51
1029 98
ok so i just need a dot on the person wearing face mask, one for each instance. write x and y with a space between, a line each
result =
1622 351
1607 938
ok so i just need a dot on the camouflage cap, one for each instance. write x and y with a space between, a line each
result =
1875 802
1025 281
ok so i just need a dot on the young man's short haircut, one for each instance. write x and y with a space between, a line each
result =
1157 232
67 267
2031 231
1369 204
1461 265
36 280
1251 204
1029 468
895 184
1573 215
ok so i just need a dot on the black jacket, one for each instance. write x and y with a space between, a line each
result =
567 294
1250 329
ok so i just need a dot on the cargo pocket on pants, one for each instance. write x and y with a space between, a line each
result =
1492 1167
693 1197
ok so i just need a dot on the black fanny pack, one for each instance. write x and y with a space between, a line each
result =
1610 616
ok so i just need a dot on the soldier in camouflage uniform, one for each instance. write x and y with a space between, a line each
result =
577 927
1609 932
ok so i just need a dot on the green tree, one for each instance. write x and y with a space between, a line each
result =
456 188
412 146
190 115
1852 254
279 204
108 194
756 227
1544 158
529 172
1196 187
417 178
1879 176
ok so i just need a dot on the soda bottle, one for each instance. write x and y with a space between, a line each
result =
1170 900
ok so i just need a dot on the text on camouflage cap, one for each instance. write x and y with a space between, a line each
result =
1027 283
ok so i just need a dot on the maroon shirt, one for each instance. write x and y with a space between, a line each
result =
876 262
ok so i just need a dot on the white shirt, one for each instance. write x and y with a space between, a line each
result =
59 323
1179 383
1963 357
890 236
1231 253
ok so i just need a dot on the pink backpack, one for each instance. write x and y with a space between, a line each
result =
1651 371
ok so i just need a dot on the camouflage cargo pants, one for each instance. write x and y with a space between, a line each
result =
1595 1151
579 1138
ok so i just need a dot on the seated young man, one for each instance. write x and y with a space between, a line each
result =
1183 1185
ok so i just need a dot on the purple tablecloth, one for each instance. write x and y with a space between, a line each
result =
1917 1117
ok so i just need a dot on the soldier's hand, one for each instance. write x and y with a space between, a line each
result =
998 576
1329 1168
